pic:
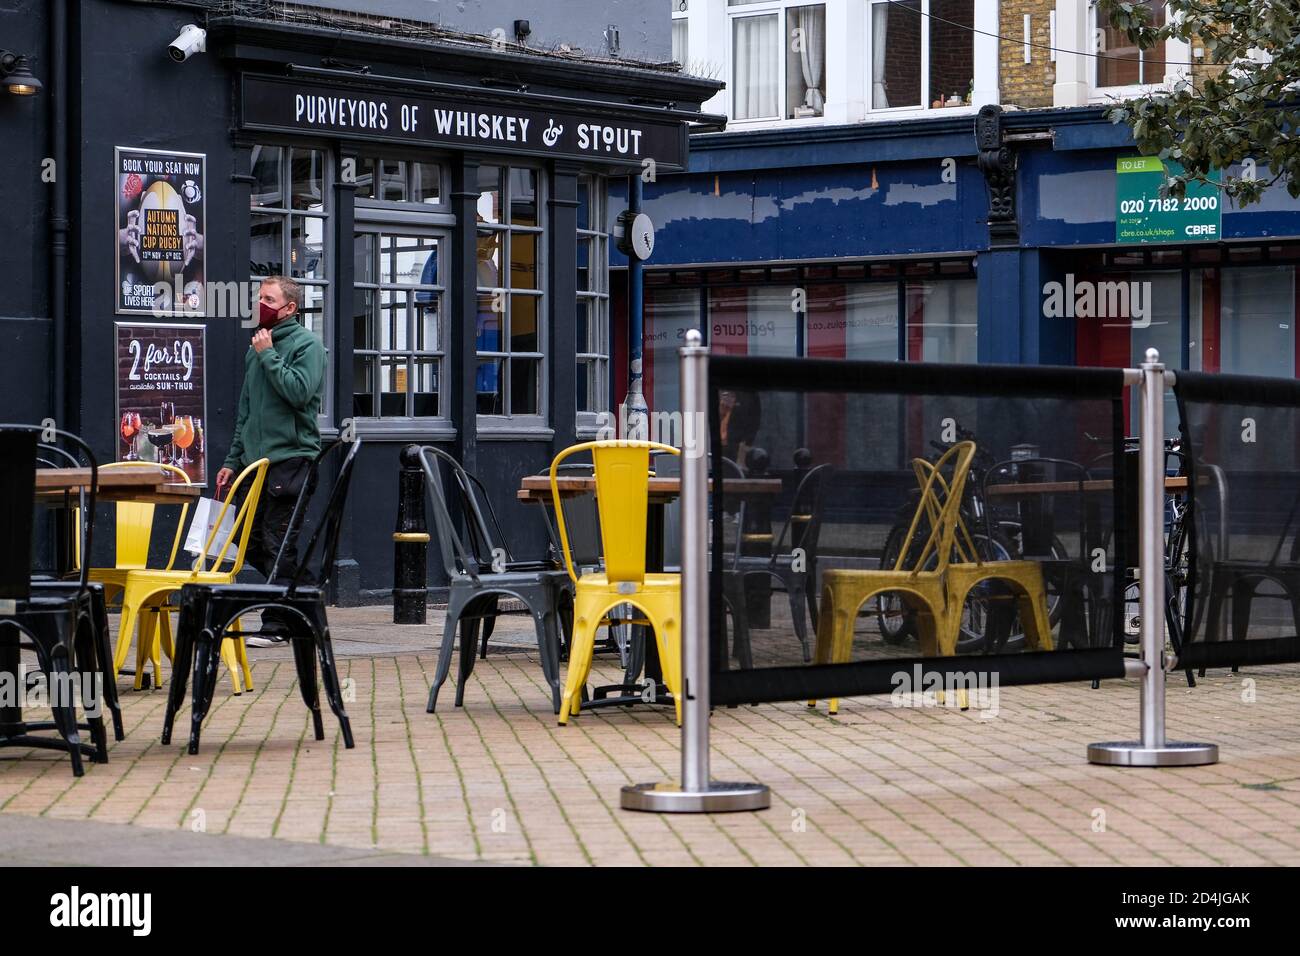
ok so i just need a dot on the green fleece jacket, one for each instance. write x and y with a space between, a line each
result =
280 399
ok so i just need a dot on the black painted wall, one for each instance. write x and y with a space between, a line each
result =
25 358
125 91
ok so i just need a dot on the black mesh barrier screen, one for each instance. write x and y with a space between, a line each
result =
878 523
1239 580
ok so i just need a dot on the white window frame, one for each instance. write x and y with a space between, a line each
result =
1177 54
681 14
768 8
895 112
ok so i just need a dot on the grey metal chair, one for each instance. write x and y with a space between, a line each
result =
480 571
791 560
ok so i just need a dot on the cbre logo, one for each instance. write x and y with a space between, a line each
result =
76 909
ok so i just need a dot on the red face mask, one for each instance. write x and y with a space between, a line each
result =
268 315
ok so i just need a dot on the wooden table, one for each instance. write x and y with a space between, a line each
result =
1092 486
537 488
143 482
59 488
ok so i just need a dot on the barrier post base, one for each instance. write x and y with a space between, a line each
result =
717 798
1131 753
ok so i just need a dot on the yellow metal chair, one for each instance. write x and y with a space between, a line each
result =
147 591
955 568
921 586
969 569
133 522
622 473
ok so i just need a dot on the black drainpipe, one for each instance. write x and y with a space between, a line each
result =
59 228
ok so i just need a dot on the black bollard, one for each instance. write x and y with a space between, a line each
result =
410 543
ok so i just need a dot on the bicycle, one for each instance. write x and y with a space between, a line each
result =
995 539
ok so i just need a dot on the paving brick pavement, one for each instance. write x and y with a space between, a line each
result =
499 781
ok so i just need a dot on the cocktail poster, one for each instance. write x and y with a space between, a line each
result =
161 220
161 396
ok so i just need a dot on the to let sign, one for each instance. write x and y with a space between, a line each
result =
436 119
1143 215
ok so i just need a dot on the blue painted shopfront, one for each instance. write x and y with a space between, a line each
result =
856 219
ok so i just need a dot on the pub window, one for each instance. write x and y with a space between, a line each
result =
593 301
288 225
510 330
399 180
399 345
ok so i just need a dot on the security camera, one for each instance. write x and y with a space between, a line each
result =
192 39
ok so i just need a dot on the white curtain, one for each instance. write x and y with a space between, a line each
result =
755 52
879 31
812 56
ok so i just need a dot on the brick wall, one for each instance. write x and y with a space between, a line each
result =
1030 84
1026 84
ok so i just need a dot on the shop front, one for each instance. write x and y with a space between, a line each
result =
1023 237
441 200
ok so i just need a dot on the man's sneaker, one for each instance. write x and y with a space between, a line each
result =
273 639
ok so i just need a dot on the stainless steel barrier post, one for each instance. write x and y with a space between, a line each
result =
696 793
1153 750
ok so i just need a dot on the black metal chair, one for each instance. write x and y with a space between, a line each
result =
1231 582
790 559
1079 598
582 521
55 580
480 571
208 611
58 621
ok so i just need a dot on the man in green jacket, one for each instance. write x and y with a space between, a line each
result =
284 379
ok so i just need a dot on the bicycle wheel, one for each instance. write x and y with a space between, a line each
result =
897 623
974 613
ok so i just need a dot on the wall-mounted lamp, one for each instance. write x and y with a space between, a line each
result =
16 75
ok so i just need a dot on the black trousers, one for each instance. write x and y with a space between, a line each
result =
284 481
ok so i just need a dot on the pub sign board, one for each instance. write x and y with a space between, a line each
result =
162 395
437 119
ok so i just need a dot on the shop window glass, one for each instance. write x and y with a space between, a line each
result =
509 333
1121 62
288 229
857 321
669 315
942 321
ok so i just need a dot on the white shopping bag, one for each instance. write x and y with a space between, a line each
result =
206 511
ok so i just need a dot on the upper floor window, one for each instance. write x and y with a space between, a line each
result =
778 59
922 53
1119 61
680 30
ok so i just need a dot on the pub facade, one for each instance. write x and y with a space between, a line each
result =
440 194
